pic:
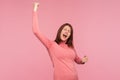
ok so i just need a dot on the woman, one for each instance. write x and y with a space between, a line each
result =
61 51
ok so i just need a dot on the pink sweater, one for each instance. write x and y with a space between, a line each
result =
62 56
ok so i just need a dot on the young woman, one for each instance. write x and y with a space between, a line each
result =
61 51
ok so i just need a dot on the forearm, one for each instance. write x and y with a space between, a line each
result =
35 26
78 60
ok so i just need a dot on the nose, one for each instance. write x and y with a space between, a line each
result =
66 32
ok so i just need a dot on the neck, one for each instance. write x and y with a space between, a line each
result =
63 42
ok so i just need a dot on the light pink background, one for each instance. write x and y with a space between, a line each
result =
96 26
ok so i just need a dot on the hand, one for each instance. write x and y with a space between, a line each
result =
84 59
36 5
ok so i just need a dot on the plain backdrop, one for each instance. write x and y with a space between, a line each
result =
96 25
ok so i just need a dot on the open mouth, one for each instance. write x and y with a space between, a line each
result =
64 35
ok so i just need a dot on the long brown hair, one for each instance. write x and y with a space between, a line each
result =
69 41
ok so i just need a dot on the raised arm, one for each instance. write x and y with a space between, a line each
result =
36 29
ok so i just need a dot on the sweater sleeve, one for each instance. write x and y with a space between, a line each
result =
77 59
46 42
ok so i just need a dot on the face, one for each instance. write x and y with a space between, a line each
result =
65 33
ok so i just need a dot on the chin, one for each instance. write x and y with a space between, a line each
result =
63 40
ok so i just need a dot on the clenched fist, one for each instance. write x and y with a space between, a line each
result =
36 5
84 59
